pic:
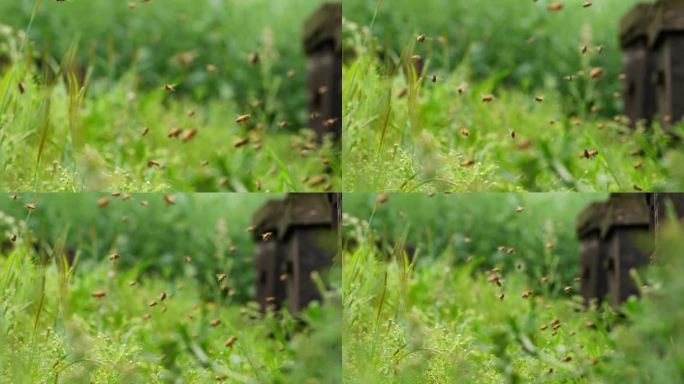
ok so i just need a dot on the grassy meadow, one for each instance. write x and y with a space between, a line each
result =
511 96
441 318
146 96
72 312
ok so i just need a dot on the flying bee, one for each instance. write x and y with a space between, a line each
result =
127 196
189 134
14 197
465 132
600 48
132 283
152 303
174 133
317 180
102 202
467 163
291 73
169 199
330 122
220 277
187 259
314 115
501 248
567 289
270 299
322 90
250 229
283 277
520 209
421 38
132 5
144 203
266 236
434 78
211 68
215 322
567 359
555 6
170 88
526 294
242 119
153 163
461 89
162 296
622 77
549 245
30 206
204 163
232 293
240 142
501 296
231 340
587 4
99 294
22 87
283 124
382 198
589 154
114 256
596 73
13 237
513 135
539 99
510 251
487 98
584 49
253 58
222 182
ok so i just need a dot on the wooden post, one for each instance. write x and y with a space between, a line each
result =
594 285
639 93
310 239
666 36
628 242
295 237
652 39
270 289
323 45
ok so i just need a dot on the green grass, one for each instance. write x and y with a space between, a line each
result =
439 320
53 329
66 124
402 132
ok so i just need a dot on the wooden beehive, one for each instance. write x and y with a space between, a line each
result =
639 92
309 239
666 37
594 284
270 289
323 45
628 242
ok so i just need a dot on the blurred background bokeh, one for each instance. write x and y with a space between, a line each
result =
508 42
173 42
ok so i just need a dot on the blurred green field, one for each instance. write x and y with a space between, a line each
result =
441 319
54 328
81 81
439 130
